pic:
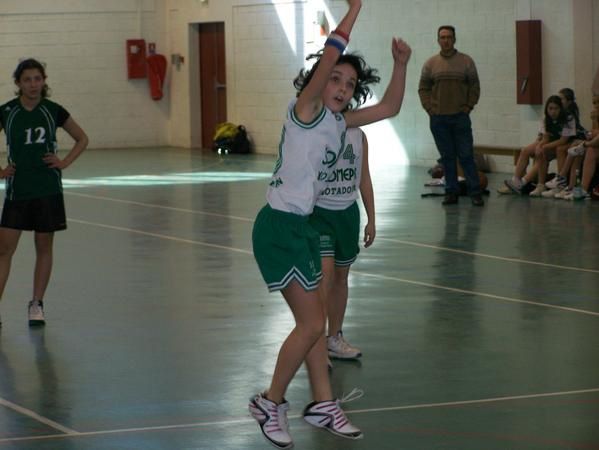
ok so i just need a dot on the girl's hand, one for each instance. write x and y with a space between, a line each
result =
354 3
7 172
369 234
401 51
53 161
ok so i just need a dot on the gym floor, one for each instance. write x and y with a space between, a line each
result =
479 326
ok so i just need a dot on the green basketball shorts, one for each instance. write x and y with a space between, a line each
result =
286 248
339 233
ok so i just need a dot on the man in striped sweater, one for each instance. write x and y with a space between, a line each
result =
448 89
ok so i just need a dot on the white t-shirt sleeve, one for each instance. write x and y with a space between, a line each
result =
569 129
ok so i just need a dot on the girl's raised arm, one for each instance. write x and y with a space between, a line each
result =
390 104
309 102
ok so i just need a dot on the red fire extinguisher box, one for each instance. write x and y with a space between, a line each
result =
136 58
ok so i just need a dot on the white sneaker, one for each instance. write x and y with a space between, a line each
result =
556 182
550 193
504 189
561 195
330 416
537 191
581 196
272 419
515 184
339 348
577 150
36 313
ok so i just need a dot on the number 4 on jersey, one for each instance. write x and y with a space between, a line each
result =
349 153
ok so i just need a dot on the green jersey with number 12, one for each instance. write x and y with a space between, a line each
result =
29 136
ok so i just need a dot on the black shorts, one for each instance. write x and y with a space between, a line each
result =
44 214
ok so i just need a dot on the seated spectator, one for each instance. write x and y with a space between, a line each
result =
556 129
559 187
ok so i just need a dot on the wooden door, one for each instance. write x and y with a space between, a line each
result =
213 88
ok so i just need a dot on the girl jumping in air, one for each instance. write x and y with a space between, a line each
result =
286 247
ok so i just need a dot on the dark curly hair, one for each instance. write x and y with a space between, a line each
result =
366 75
31 63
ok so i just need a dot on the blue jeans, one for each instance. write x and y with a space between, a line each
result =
453 136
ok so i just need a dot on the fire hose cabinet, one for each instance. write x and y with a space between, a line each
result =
136 58
529 63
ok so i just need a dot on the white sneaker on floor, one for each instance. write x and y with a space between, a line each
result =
556 182
36 313
330 416
561 195
550 193
581 196
339 348
537 191
504 189
272 419
515 185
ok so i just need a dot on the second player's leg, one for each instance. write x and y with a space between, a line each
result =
337 300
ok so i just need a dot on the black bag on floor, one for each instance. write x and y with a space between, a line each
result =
229 138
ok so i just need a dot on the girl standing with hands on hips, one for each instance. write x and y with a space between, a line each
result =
34 200
286 248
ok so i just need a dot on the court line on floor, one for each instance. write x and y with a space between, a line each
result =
298 416
355 272
29 413
481 294
397 241
485 255
478 401
167 208
162 236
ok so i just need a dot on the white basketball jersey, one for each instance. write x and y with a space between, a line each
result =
343 182
307 153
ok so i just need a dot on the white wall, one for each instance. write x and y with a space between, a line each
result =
83 46
259 67
261 62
